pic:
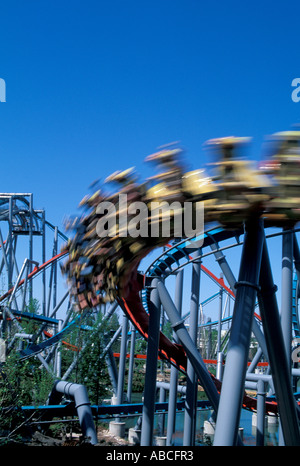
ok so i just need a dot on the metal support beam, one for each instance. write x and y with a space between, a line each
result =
229 276
174 371
261 410
122 361
131 363
287 292
277 355
188 345
227 425
151 367
191 392
30 244
220 355
112 370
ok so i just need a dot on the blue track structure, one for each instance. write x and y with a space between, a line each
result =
295 316
240 203
34 349
239 200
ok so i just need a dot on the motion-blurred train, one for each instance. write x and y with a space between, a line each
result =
231 188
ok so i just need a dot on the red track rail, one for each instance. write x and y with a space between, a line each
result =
35 271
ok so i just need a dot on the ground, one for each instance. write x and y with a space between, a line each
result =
105 438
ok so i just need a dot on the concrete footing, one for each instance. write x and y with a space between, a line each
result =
117 428
160 441
269 420
209 430
254 420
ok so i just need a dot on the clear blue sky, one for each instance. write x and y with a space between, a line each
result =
96 86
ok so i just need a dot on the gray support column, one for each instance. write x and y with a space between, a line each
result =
277 354
83 406
228 274
191 387
174 372
287 292
230 405
151 367
131 363
55 268
261 411
161 417
220 358
10 244
255 360
112 370
122 361
30 244
221 259
58 353
188 345
25 286
43 261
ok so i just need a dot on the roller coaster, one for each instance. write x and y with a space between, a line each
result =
242 205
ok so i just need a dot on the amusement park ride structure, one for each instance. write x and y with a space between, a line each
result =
241 205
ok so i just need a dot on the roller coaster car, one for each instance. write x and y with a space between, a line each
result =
241 187
198 187
167 190
92 200
234 173
196 184
122 177
164 156
285 169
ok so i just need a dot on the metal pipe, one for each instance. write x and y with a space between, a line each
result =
10 236
167 386
277 354
174 371
43 261
30 243
228 274
58 353
55 268
17 282
228 418
191 392
112 370
161 417
151 367
131 363
82 405
220 355
221 259
122 361
261 410
287 293
188 345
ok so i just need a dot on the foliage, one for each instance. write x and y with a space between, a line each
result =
28 383
91 369
21 383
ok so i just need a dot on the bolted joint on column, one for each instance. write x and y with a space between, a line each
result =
249 284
